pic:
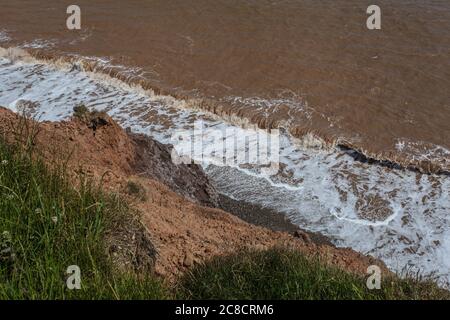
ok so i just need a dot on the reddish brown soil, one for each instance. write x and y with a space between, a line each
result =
183 231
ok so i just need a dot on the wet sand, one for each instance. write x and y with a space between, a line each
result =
267 218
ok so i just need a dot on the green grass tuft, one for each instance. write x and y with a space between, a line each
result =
80 111
46 225
284 274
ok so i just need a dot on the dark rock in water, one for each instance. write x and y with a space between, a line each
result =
153 160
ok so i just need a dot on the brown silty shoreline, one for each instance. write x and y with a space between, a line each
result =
178 208
310 66
270 219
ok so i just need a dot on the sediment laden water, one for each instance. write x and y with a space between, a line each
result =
398 215
309 66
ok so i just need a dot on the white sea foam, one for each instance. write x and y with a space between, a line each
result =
399 216
424 151
39 44
4 37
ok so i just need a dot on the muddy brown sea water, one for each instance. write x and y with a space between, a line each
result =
311 66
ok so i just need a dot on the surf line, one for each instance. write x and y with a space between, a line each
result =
366 222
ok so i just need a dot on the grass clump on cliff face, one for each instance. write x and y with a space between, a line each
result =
136 190
285 274
80 111
93 119
46 225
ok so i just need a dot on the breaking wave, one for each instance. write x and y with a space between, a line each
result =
250 112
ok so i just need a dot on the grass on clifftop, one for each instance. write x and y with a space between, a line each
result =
285 274
47 225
